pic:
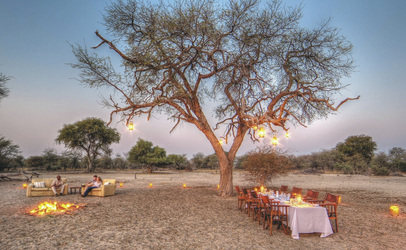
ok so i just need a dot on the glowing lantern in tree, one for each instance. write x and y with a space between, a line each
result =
261 132
394 210
130 126
287 135
274 140
221 142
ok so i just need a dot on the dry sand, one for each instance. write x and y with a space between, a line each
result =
169 217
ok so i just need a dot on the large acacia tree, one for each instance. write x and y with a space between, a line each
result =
90 135
253 59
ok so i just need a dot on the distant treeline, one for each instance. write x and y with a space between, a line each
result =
353 156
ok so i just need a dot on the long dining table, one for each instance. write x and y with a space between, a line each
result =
306 218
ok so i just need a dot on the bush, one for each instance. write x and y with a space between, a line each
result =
266 163
345 168
380 171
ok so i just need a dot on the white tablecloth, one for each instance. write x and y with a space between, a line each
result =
309 220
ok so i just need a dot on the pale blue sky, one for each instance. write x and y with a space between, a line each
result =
44 95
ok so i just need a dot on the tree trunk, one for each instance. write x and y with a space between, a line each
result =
226 177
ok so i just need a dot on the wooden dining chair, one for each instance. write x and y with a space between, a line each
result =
295 191
265 211
284 188
311 195
242 198
254 204
329 198
331 212
279 214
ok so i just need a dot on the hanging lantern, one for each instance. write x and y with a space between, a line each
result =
130 126
287 135
221 141
261 132
255 128
394 210
274 140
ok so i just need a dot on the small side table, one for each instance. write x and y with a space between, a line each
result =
73 190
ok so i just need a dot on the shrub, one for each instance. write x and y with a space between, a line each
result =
266 163
380 171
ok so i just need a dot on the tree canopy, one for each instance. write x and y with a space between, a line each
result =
144 152
8 152
90 135
361 145
253 60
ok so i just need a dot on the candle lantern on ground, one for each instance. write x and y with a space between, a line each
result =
121 184
184 185
150 185
394 210
24 185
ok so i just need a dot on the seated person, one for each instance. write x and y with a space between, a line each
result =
89 184
97 184
58 183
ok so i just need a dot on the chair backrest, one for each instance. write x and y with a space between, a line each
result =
296 190
265 200
238 189
331 198
244 190
284 188
315 195
254 194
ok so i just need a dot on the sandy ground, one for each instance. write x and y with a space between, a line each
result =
170 217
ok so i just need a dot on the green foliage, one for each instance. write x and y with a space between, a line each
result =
144 152
179 161
397 158
198 160
361 145
90 135
239 161
211 162
8 152
35 162
380 170
266 163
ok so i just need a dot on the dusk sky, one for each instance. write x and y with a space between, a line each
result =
45 92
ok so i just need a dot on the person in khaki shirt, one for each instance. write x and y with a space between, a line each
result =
58 183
